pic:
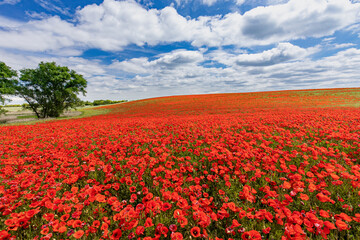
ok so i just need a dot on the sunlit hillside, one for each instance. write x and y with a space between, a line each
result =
269 165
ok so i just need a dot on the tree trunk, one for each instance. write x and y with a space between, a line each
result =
31 106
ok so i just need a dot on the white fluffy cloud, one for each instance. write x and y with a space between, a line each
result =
113 25
239 2
42 35
183 72
340 70
283 22
178 59
295 71
283 52
209 2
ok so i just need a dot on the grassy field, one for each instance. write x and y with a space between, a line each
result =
19 116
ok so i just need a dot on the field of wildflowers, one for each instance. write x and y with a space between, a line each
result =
273 165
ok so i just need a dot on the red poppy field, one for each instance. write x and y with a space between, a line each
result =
271 165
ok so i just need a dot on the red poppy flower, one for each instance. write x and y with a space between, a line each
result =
266 230
344 217
329 225
176 236
45 231
195 232
116 234
4 235
304 197
62 229
100 198
166 206
164 230
286 185
140 230
77 223
96 224
252 235
78 234
341 225
235 224
312 187
148 223
182 221
323 198
65 217
173 228
324 214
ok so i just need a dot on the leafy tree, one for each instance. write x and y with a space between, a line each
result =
50 89
106 102
87 103
7 82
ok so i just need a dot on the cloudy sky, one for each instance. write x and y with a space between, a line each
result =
146 48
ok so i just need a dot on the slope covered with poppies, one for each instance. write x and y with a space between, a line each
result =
227 166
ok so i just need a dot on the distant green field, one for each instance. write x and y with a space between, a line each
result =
26 116
13 109
20 114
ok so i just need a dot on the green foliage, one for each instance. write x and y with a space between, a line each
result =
87 103
50 89
106 102
101 102
13 105
2 110
7 81
25 106
26 116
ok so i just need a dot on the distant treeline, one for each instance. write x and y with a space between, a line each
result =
102 102
83 103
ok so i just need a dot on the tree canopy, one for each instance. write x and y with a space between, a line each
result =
7 82
50 89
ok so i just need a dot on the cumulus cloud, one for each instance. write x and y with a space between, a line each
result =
177 59
39 35
296 73
209 2
328 43
275 2
149 78
283 52
9 24
37 15
343 45
17 61
284 22
113 25
339 70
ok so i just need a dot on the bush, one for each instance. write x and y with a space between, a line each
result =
106 102
13 105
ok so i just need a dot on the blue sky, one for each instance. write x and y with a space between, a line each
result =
139 49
